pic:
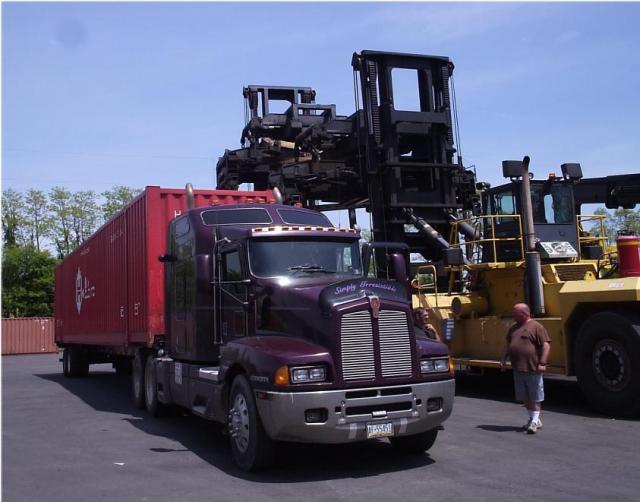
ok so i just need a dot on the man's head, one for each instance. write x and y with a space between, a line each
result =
521 313
421 316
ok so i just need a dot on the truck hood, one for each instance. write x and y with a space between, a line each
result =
305 307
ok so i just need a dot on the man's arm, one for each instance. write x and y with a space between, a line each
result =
544 357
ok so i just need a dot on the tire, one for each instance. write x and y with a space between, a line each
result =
607 363
151 403
137 380
66 362
416 444
252 449
74 362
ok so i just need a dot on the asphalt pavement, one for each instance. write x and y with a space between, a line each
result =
82 439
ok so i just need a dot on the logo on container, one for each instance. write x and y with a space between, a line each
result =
84 290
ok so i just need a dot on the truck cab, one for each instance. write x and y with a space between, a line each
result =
274 331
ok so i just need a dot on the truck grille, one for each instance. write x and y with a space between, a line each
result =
357 345
395 347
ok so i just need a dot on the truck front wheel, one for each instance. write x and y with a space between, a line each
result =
137 380
607 362
252 449
416 444
151 403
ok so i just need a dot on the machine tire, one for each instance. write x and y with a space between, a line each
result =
251 447
137 380
74 362
607 363
416 444
151 403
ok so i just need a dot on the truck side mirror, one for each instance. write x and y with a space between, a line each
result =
167 258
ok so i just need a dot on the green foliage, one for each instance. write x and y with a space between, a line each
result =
618 221
116 199
60 208
27 282
38 220
13 218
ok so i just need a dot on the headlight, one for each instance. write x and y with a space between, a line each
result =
308 374
434 365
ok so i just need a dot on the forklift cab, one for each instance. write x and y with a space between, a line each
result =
554 218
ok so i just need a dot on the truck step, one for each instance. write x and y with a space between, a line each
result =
210 373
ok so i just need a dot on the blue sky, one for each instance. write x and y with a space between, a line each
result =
95 94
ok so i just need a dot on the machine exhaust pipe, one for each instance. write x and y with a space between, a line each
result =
191 198
532 257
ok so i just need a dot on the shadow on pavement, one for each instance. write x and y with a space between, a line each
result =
499 428
562 394
107 392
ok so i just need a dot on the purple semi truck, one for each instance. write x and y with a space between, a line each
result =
272 327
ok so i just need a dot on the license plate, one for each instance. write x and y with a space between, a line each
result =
379 430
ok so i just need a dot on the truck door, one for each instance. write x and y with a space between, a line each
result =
232 289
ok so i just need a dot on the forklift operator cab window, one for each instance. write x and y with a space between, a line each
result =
552 203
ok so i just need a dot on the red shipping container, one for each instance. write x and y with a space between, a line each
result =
110 291
28 335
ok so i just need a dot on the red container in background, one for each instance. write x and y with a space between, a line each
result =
110 290
28 335
628 255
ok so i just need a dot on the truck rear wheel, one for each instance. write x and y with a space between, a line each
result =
607 362
137 380
252 449
151 402
74 362
416 444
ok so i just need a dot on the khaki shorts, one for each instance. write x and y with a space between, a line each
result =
529 386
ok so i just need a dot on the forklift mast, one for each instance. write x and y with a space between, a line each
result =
401 165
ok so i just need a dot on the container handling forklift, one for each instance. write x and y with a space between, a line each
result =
523 241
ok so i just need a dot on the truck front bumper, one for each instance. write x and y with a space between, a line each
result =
412 409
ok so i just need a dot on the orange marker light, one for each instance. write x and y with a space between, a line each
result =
282 376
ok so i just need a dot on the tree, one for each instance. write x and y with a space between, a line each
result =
618 221
117 198
37 216
62 221
84 216
27 282
13 218
626 221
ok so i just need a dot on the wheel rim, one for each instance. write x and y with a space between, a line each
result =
239 422
611 364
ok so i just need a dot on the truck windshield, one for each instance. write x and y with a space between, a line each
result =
302 257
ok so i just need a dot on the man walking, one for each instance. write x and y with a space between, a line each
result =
527 346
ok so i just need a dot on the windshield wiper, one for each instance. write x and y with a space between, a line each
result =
311 268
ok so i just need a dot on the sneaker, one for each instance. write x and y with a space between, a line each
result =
526 426
533 427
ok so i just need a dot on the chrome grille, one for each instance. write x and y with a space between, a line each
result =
357 346
395 345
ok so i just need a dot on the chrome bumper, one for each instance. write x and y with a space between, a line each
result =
349 411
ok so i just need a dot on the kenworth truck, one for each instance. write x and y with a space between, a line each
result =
254 314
